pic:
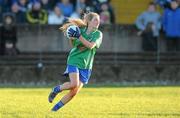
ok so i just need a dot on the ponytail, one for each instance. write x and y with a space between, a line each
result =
77 22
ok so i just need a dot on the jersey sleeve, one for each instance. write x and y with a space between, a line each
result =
98 39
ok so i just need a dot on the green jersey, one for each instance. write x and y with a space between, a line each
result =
81 56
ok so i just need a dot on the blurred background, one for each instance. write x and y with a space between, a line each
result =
141 41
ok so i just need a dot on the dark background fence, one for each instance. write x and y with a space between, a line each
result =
48 38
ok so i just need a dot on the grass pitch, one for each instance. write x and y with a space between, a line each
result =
107 102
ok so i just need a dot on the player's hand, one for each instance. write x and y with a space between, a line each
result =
74 33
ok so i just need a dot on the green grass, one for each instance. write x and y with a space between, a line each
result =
105 102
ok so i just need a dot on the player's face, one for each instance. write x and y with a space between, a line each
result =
95 22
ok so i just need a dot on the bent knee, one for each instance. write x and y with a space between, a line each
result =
74 85
73 92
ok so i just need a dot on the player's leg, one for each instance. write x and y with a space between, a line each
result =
74 82
72 93
67 97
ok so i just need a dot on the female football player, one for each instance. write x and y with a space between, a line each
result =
85 42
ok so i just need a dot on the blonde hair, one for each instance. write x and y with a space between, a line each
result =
79 22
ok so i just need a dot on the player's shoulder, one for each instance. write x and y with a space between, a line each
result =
98 32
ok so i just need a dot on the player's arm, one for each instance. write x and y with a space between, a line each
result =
86 43
96 41
77 34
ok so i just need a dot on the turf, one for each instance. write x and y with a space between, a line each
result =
105 102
